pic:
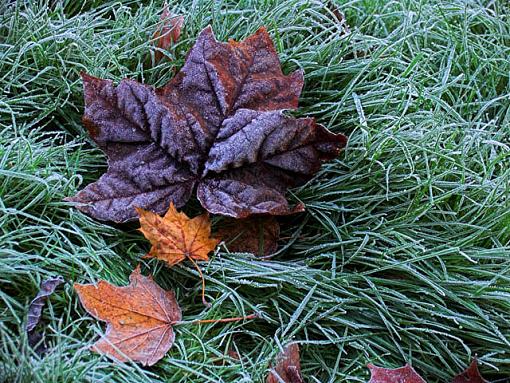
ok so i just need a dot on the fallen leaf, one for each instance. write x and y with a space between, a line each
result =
256 235
217 126
175 237
470 375
233 354
169 32
339 17
404 374
288 367
35 308
140 317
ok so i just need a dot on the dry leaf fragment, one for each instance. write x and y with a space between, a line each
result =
176 237
256 235
218 127
233 354
47 288
169 33
339 17
35 308
404 374
288 366
140 317
470 375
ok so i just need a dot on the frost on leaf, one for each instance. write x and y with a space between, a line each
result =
140 317
404 374
217 127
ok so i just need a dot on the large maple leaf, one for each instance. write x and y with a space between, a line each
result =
217 126
140 318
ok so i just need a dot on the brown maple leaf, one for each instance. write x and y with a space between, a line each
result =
470 375
288 366
256 235
140 317
404 374
169 32
218 127
175 237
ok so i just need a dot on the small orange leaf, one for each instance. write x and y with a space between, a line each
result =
140 317
176 237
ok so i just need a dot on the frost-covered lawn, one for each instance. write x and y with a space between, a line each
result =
402 256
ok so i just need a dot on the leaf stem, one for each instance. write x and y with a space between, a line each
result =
203 281
223 320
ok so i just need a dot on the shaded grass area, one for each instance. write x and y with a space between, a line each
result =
402 256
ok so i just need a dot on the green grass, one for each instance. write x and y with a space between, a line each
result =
402 256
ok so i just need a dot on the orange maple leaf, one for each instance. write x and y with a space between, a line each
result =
140 317
176 237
